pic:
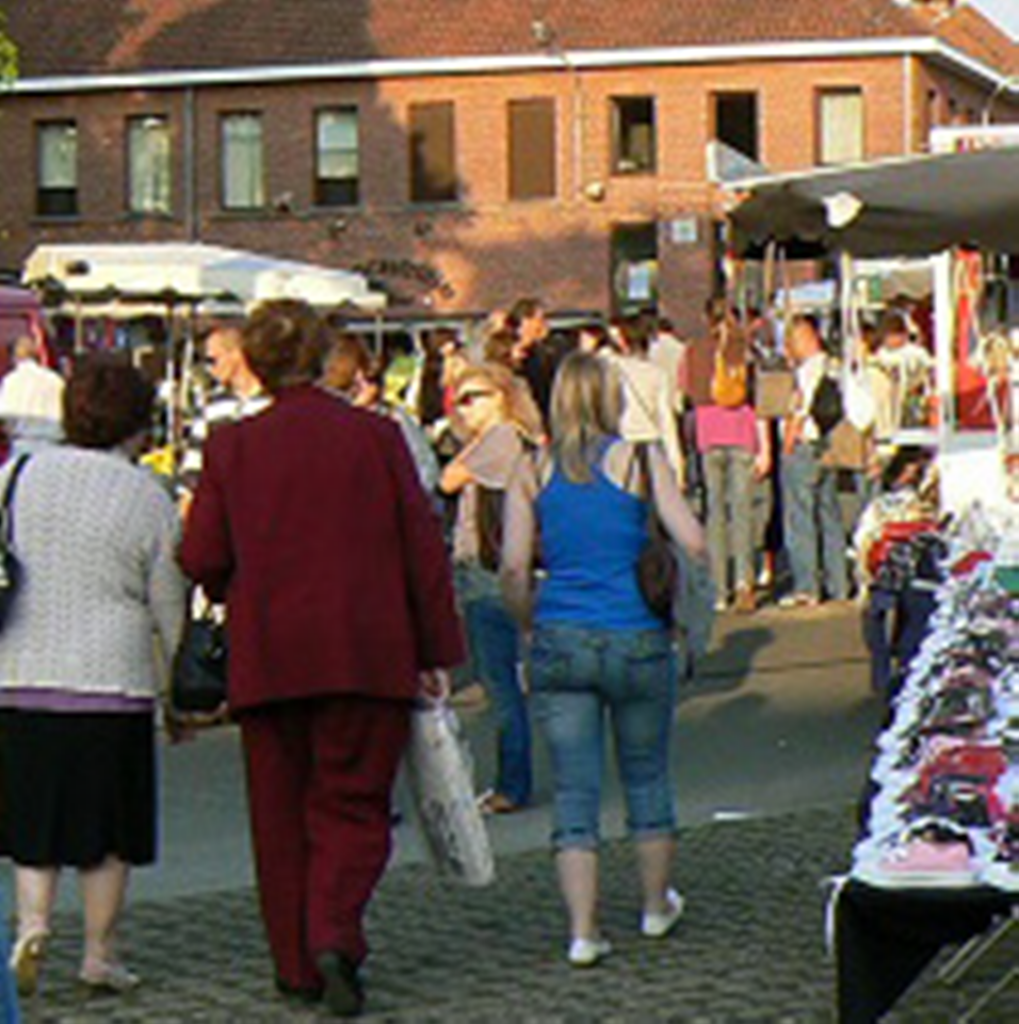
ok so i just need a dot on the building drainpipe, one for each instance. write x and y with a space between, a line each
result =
909 103
192 227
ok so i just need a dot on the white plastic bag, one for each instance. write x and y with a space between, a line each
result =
440 774
861 409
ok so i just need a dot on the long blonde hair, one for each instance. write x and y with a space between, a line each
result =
586 407
518 404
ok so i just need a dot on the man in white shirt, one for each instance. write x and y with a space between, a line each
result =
812 520
31 399
669 352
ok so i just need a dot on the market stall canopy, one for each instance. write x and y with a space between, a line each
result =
130 276
909 206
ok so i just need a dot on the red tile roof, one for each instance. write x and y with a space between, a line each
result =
59 37
968 30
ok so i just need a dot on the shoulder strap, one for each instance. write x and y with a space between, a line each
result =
7 502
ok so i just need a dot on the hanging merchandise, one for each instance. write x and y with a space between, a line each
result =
973 411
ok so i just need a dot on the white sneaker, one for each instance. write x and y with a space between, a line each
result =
657 926
588 952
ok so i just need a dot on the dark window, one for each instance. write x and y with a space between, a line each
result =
57 161
634 267
432 153
532 149
337 162
243 175
736 122
633 134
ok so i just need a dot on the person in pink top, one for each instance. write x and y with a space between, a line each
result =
736 451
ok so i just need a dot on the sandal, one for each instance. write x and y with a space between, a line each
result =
497 803
108 976
26 958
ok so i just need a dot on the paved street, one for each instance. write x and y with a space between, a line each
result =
772 743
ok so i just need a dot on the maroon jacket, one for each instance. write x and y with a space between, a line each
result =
309 520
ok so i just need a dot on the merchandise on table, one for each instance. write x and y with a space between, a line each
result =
946 809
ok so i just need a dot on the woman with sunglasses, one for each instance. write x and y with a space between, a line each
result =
497 417
598 651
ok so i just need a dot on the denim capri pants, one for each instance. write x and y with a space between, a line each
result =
583 680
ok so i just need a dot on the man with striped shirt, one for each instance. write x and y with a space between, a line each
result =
238 394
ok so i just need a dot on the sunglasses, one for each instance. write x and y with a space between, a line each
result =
468 398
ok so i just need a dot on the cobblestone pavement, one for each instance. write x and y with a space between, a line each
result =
750 947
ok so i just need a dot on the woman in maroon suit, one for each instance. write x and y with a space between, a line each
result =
310 523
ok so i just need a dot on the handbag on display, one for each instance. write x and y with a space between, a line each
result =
441 779
10 567
199 682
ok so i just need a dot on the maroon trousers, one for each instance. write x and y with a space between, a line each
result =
320 778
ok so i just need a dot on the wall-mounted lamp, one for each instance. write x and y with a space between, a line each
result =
284 202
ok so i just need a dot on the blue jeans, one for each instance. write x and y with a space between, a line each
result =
580 677
811 508
495 651
729 471
894 625
8 992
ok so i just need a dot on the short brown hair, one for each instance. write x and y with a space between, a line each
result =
106 401
499 346
285 343
348 356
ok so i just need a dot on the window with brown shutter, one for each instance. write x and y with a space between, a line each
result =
432 153
532 149
840 128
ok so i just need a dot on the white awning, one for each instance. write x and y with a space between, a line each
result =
203 275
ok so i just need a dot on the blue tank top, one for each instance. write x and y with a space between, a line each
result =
591 536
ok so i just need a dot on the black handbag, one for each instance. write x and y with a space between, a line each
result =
200 669
657 568
10 567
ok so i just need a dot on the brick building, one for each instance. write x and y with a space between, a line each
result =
465 152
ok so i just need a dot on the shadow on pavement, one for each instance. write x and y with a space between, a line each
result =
727 666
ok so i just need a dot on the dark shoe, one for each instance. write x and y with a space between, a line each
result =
306 994
343 993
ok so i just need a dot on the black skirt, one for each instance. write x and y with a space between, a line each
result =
78 788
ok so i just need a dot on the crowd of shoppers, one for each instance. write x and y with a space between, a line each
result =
348 524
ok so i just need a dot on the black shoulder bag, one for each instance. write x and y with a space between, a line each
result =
657 571
200 670
10 568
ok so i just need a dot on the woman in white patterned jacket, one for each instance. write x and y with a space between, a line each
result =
96 536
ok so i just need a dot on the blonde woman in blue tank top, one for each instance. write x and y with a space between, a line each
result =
600 658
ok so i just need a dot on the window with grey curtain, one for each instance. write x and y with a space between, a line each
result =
57 150
243 186
148 164
336 157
